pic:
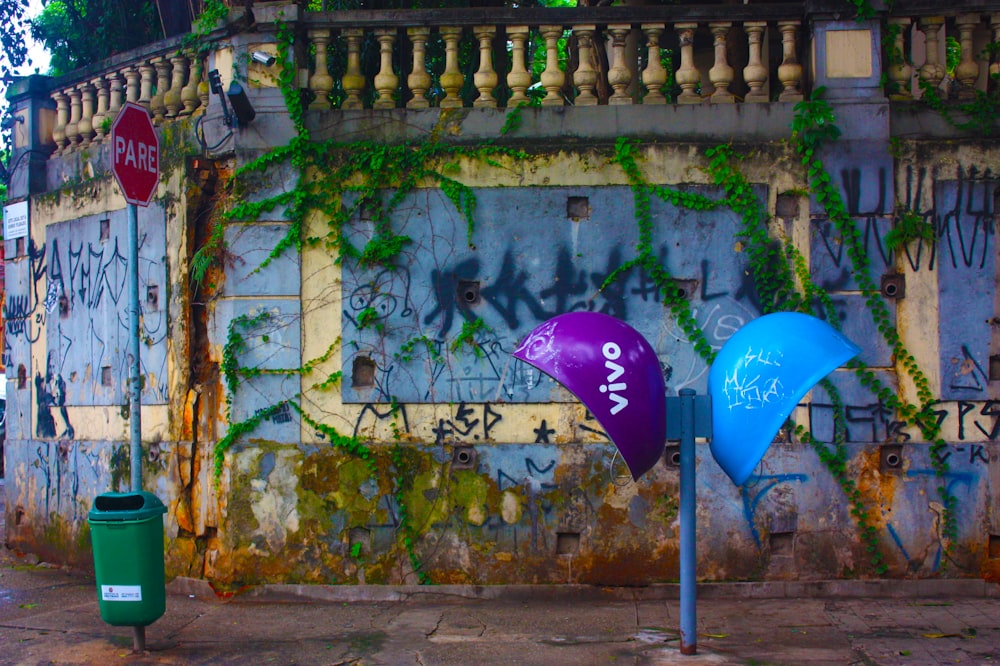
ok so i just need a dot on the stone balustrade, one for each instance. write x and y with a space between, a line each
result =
917 52
581 63
170 85
501 58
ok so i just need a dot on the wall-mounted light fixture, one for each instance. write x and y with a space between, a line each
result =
242 111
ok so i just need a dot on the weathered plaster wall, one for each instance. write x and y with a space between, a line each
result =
503 476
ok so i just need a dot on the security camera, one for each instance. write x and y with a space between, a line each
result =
263 57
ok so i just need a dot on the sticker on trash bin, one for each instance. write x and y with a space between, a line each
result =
121 593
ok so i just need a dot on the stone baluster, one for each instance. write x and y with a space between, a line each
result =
116 95
585 76
320 83
172 97
755 73
204 90
353 81
85 126
932 71
721 74
386 81
156 103
189 93
146 72
519 78
552 77
451 78
485 78
687 75
898 68
967 70
133 88
619 76
790 71
654 77
72 129
100 84
419 81
62 118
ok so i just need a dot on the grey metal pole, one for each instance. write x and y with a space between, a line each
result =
138 640
689 612
135 389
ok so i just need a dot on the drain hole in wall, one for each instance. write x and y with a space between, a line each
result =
152 296
781 543
567 543
578 208
890 458
363 373
468 292
360 541
463 457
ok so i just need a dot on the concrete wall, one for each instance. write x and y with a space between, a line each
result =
537 494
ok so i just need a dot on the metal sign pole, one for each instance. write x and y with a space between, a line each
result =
689 598
135 389
688 416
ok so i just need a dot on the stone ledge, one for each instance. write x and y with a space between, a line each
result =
821 589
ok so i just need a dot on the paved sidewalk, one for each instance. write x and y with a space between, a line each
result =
51 616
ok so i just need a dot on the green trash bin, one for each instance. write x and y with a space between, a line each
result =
126 532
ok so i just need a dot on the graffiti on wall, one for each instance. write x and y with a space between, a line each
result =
76 291
962 213
535 257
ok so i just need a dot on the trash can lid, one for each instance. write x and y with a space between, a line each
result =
116 507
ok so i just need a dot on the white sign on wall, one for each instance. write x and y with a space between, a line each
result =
15 220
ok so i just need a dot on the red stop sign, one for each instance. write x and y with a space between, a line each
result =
135 151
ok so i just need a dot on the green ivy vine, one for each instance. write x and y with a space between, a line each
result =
813 127
340 181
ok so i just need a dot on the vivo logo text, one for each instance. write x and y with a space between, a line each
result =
612 353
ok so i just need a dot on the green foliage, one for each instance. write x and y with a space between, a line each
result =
404 476
908 226
14 26
208 254
369 317
406 350
235 345
213 11
468 336
864 9
645 259
813 122
952 54
239 430
512 121
978 116
82 32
